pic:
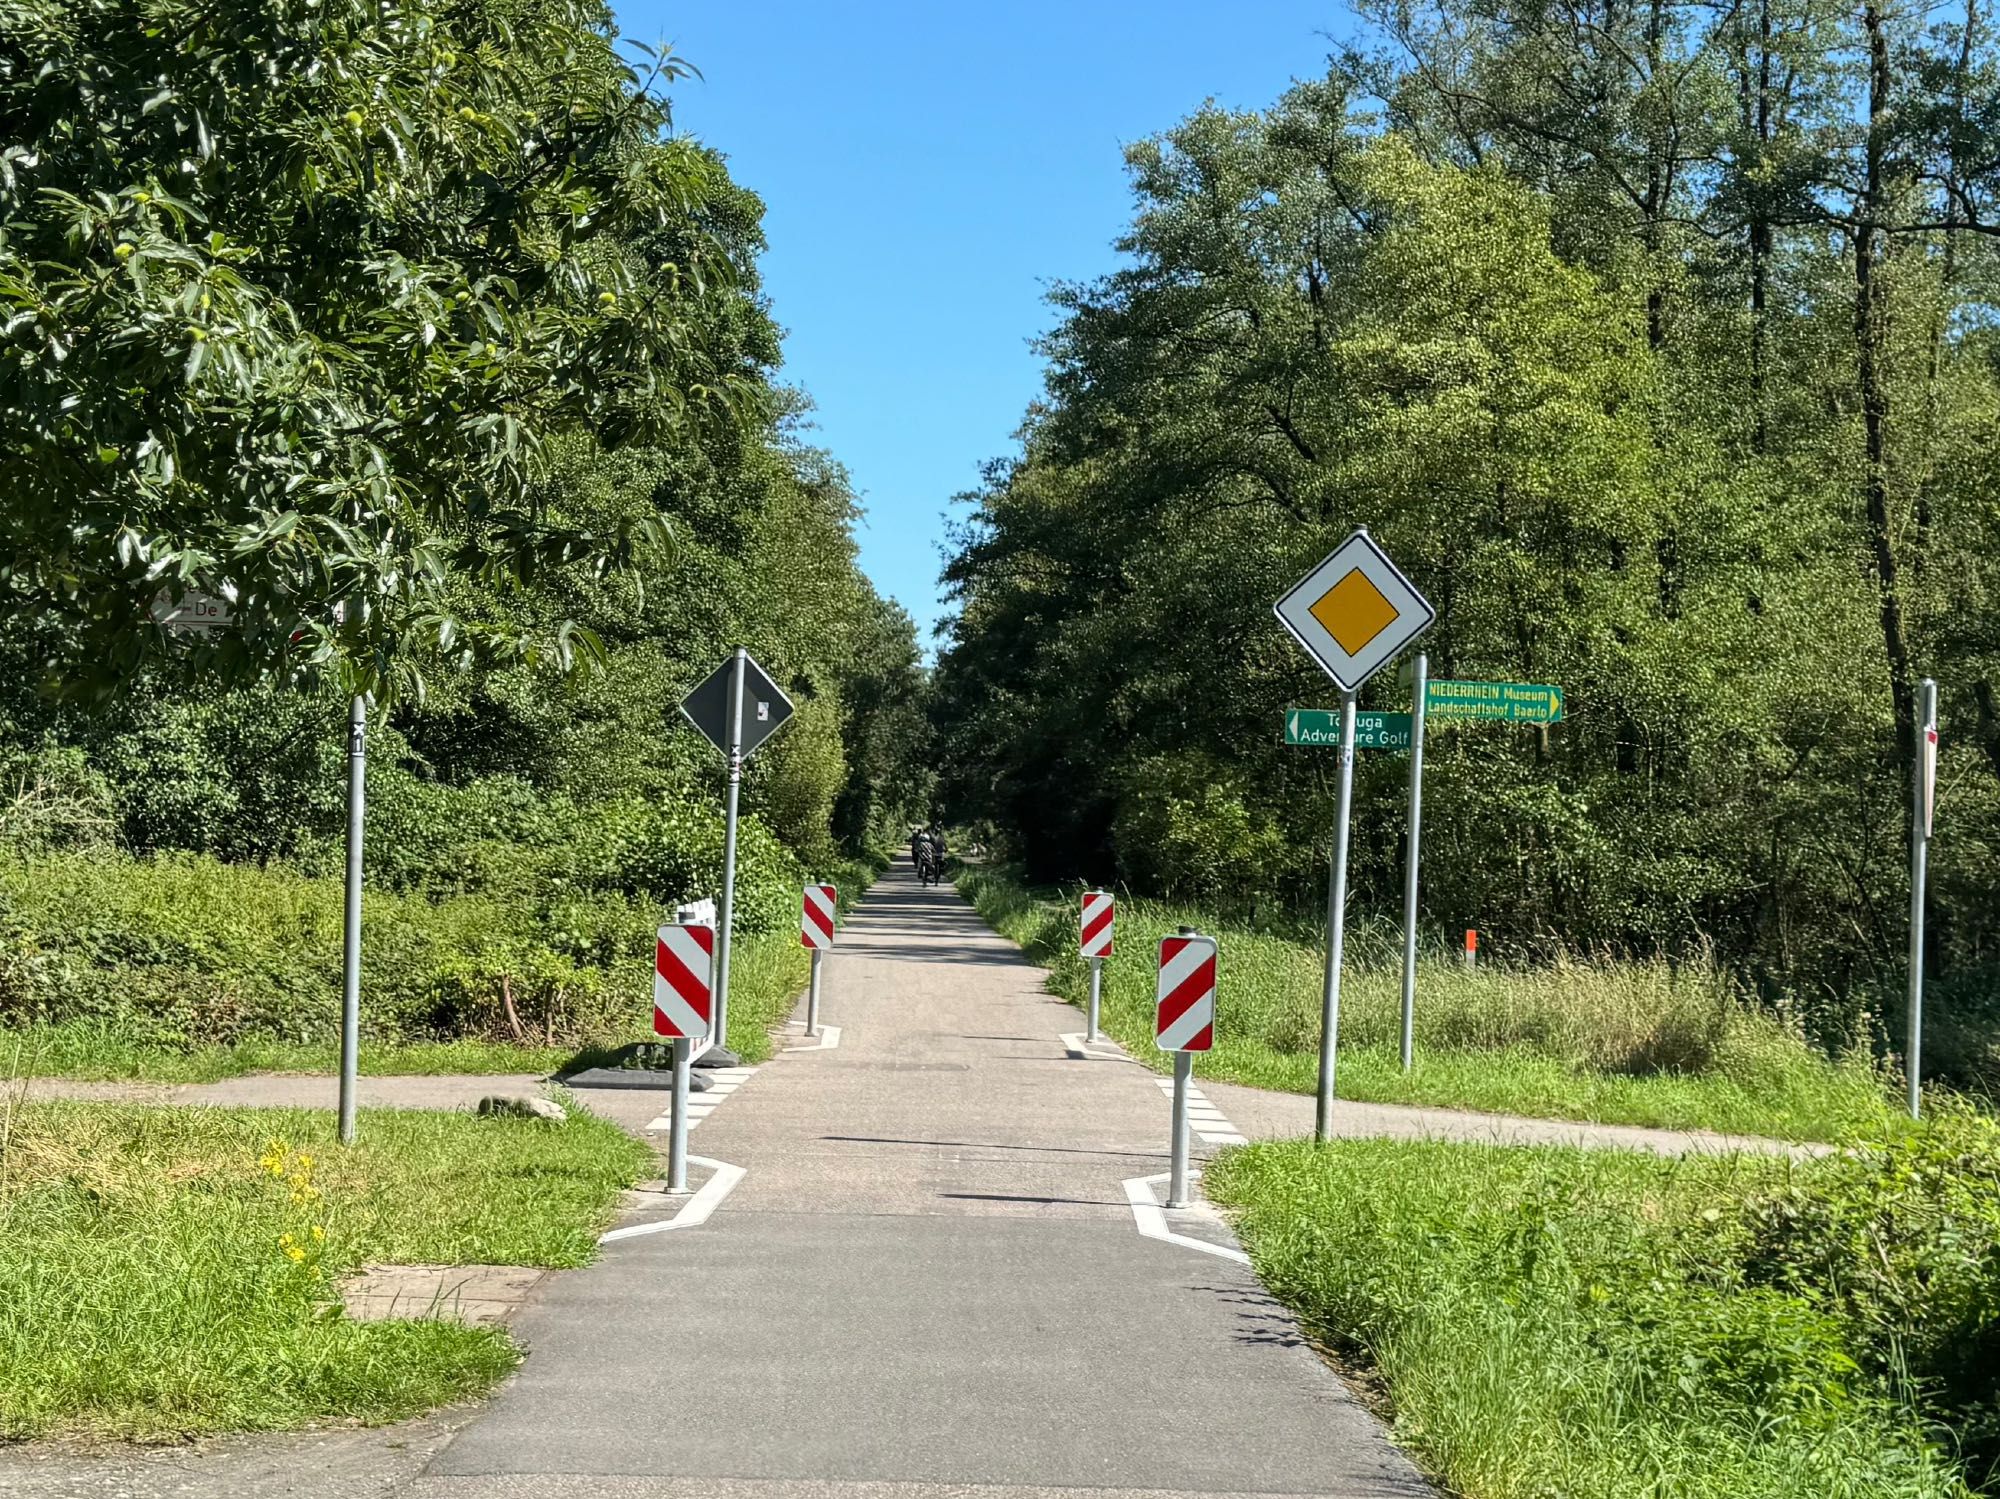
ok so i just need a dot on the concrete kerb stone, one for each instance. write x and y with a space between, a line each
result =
475 1295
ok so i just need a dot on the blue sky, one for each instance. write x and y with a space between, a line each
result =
927 170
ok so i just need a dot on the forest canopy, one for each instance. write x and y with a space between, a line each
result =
1655 341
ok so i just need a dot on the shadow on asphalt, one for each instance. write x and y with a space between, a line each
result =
1081 1202
1137 1155
1263 1322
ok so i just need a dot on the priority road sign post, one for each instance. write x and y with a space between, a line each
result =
1353 614
1094 932
196 613
1923 803
1419 699
736 707
683 1007
816 933
1184 1023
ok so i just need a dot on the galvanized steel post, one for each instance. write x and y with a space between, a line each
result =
1178 1171
350 989
677 1130
721 1034
1919 871
1410 872
1336 924
812 994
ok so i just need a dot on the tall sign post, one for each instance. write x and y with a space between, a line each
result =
1418 700
1353 614
1923 805
195 613
350 951
736 707
1094 931
1184 1023
816 934
683 1010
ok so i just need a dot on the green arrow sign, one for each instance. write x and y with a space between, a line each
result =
1515 702
1390 731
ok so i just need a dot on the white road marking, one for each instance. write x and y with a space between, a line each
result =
723 1081
1079 1049
1204 1118
829 1039
697 1209
1151 1219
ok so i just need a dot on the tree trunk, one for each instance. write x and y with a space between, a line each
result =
1869 357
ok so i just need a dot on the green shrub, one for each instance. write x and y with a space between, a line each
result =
195 952
52 799
1900 1243
500 835
1581 1323
1185 825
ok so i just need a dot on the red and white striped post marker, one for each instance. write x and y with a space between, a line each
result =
816 932
1099 915
683 1012
1184 1023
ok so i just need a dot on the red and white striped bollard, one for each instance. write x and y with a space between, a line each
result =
683 1012
1184 1023
1094 929
816 932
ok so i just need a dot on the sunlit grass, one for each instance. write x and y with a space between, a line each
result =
171 1271
1619 1042
1565 1322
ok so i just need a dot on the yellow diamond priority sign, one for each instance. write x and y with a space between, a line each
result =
1355 611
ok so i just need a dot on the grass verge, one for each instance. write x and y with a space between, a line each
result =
1603 1324
1619 1043
166 1272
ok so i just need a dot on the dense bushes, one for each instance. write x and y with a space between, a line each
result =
1899 1245
500 834
184 952
1603 1324
188 951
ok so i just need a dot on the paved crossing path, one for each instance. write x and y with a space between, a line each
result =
928 1282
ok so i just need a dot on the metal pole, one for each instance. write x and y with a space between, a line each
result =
1919 870
1177 1180
1410 873
350 989
1336 924
812 995
677 1132
729 851
1096 990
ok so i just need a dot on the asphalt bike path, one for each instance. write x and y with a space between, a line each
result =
929 1280
948 1038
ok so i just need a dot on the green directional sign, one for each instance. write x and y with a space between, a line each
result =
1513 702
1390 731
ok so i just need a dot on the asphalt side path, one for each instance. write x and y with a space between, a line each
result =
929 1282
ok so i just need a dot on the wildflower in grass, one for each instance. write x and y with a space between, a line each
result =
273 1158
